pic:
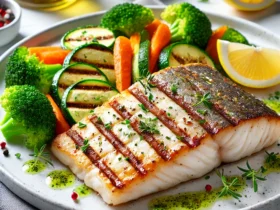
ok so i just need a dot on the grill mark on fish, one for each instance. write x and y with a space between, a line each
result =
118 145
95 159
229 100
82 71
99 65
121 110
84 38
80 105
162 116
86 87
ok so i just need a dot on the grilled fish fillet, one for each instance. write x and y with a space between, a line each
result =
175 126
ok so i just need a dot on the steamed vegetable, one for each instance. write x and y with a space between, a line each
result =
123 62
25 69
160 39
224 33
188 23
61 124
128 18
29 117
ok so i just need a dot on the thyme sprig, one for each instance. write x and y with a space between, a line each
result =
205 99
252 174
228 186
40 154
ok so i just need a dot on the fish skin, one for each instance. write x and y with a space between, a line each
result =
221 140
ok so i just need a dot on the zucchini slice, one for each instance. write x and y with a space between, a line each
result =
140 63
82 97
72 74
94 54
87 34
180 53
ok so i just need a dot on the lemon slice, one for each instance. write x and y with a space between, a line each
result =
250 5
249 66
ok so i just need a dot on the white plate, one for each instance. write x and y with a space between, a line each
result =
33 188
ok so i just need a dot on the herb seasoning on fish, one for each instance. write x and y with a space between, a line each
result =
60 179
193 200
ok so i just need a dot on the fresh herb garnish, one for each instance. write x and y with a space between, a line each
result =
174 88
40 154
252 174
151 97
148 125
91 111
205 99
207 177
228 186
81 125
18 155
85 146
202 111
143 108
108 126
201 122
126 122
271 158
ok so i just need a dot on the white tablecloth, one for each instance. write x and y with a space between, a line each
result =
34 21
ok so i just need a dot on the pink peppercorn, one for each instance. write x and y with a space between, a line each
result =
74 196
3 145
208 188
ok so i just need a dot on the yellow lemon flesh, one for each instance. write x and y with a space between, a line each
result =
250 66
250 5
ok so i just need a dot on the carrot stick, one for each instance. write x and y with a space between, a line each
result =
160 39
123 62
152 27
135 42
53 57
211 48
37 50
61 123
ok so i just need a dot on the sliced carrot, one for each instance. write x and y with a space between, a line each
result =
53 57
123 62
37 50
160 39
212 43
135 42
61 123
152 27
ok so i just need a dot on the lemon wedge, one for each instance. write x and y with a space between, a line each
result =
250 66
250 5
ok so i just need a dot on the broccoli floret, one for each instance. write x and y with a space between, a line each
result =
128 18
29 117
233 35
25 69
188 23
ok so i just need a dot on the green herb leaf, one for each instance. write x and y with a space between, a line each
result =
151 97
205 99
143 108
18 155
108 126
201 111
85 146
252 174
81 125
174 88
271 158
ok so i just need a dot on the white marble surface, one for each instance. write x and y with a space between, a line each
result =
34 21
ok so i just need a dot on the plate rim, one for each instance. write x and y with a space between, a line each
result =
7 177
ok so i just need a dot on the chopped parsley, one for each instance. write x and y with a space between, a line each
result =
108 126
85 146
149 125
81 125
202 111
150 97
18 155
174 88
143 108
